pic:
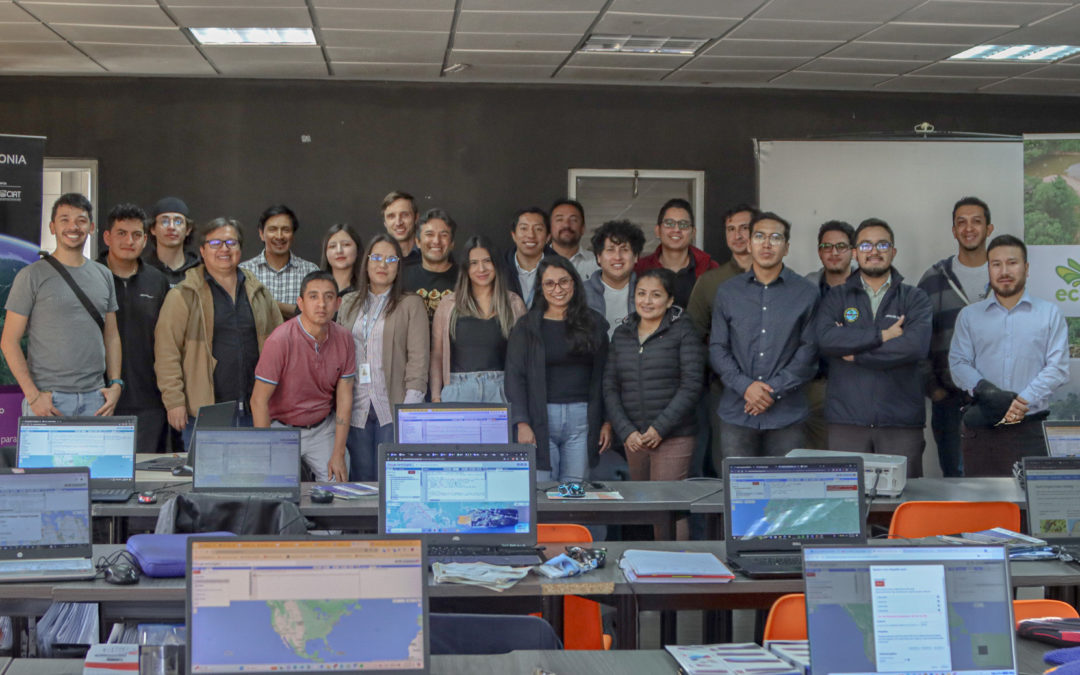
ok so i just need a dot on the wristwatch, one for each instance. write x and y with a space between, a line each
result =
116 381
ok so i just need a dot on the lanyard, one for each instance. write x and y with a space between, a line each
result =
371 317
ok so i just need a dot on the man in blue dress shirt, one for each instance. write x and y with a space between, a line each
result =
1017 343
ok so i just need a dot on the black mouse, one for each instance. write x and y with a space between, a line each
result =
320 496
122 574
147 497
181 471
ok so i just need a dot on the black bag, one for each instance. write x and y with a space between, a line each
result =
59 267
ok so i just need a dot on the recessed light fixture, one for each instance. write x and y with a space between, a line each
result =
1039 53
254 36
643 44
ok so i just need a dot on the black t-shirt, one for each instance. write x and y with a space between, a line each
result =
567 374
432 287
478 345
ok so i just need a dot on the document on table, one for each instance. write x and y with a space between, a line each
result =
732 659
678 567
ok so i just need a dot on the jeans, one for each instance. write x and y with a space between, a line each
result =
739 441
83 404
568 439
482 386
242 419
945 416
363 444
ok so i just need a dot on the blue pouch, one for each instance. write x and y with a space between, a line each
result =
164 555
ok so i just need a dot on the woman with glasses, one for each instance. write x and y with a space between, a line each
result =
390 330
470 329
341 248
554 376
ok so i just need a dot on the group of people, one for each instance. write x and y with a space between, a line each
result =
593 349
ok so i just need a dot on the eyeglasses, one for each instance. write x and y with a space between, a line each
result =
388 259
776 239
215 244
839 248
866 246
681 224
565 283
178 221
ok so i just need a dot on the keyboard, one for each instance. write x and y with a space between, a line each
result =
18 570
777 560
285 496
160 464
110 494
496 555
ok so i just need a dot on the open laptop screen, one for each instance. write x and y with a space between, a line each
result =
909 610
236 458
1062 438
1053 510
44 513
471 423
452 493
105 444
313 604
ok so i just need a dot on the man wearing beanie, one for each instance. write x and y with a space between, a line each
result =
170 233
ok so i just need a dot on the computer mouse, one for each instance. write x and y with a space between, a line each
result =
122 574
181 471
147 497
320 496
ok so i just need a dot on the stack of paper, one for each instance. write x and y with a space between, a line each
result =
67 623
735 659
351 490
674 567
494 577
795 652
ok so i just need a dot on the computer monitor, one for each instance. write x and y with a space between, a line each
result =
346 604
237 459
104 444
452 423
481 494
1053 511
909 610
1062 438
44 513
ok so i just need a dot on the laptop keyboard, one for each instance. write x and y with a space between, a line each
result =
778 560
496 555
284 495
110 494
27 568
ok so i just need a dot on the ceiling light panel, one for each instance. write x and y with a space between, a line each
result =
1018 53
642 44
254 36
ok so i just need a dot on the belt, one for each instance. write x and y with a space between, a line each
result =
307 427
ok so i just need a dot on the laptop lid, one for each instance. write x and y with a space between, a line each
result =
45 513
452 423
1053 511
210 416
1062 438
105 444
345 604
908 610
781 503
460 494
244 459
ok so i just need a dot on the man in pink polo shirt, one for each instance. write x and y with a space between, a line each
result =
304 378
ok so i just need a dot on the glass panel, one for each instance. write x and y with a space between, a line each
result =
613 198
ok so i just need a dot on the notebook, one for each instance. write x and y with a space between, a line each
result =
347 604
452 423
105 444
216 415
774 506
45 524
248 462
1053 511
909 610
470 503
1062 438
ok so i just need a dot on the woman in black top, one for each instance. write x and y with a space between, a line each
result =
341 247
554 370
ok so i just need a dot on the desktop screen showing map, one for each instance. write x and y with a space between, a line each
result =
108 449
44 510
1052 485
306 605
909 610
468 492
441 425
247 458
1062 441
771 502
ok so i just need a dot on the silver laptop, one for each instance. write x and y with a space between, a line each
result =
45 524
105 444
1062 438
271 605
248 462
774 506
1053 510
909 610
452 423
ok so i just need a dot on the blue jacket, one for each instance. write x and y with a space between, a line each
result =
882 387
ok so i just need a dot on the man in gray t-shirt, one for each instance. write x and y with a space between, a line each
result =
67 353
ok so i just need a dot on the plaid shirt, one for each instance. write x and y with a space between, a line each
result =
283 284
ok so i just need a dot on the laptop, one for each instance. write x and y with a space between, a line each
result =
347 604
473 423
105 444
1062 438
216 415
470 503
909 610
774 506
1053 510
248 462
45 524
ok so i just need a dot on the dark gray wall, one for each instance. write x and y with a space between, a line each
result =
232 147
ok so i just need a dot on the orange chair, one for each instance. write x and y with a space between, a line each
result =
1037 609
787 618
913 520
582 626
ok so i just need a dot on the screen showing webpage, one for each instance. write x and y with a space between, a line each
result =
107 449
909 610
1052 488
44 510
457 492
770 502
1062 441
464 425
247 458
306 606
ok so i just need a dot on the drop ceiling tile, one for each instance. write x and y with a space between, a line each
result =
389 39
243 17
507 57
1061 29
781 63
973 11
14 13
525 22
593 60
26 32
835 10
531 5
731 9
807 48
613 74
1056 72
100 15
722 77
149 60
618 23
496 73
769 29
384 19
1034 87
284 69
122 35
939 84
977 69
404 52
897 50
387 71
44 57
528 41
216 3
446 5
879 66
807 80
939 34
268 54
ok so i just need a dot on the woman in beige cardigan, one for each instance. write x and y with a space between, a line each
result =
390 332
469 330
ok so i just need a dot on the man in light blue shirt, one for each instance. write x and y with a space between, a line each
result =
1017 343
